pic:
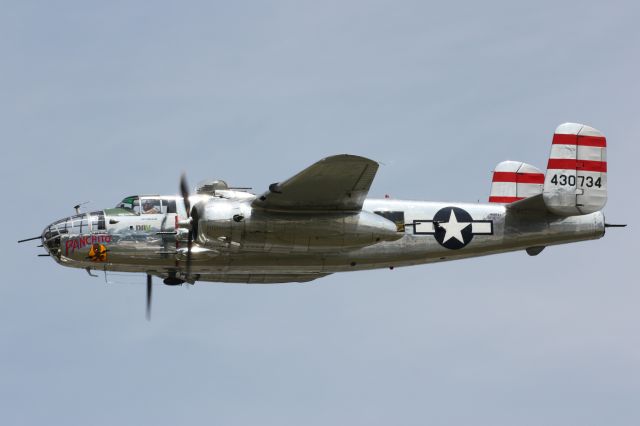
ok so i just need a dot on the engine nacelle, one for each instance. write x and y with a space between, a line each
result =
234 224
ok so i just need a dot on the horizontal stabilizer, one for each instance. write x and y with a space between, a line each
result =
533 204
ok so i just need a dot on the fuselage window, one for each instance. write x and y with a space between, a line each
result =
79 224
151 206
97 221
169 206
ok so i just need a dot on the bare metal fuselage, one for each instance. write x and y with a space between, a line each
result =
236 242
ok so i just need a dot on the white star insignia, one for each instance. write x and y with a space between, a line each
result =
454 228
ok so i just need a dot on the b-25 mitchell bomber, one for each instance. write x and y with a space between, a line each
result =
320 222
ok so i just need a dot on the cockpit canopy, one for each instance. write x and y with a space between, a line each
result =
151 204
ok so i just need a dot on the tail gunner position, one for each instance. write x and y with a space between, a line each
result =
319 222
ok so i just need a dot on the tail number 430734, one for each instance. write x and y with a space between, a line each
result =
570 180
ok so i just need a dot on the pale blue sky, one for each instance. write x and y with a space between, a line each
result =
106 99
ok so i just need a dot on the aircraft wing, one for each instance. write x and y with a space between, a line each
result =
336 183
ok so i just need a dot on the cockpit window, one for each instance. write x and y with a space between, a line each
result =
151 206
148 205
130 203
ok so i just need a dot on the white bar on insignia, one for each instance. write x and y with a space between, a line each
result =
424 227
481 228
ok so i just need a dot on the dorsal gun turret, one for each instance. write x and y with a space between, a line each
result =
210 186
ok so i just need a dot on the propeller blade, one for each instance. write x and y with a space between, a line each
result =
184 190
149 287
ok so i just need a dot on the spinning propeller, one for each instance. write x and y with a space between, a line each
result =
149 287
184 190
189 224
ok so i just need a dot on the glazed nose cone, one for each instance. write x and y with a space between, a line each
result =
51 236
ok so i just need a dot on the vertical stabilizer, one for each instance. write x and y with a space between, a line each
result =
513 181
576 179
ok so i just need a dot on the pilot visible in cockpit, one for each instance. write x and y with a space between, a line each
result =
149 208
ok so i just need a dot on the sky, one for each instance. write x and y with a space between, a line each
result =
101 100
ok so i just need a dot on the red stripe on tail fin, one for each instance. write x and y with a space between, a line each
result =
564 139
570 164
518 177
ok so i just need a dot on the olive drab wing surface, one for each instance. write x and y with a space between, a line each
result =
339 183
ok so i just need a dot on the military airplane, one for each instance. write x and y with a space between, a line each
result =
320 222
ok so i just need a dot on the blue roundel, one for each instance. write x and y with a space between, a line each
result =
453 227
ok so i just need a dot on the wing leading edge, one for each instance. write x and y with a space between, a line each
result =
337 183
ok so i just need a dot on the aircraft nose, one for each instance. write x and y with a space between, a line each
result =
51 236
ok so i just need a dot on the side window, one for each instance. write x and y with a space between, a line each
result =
80 224
169 206
395 217
151 206
97 221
